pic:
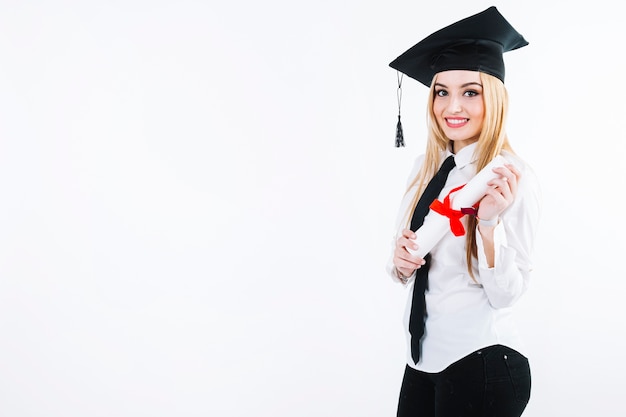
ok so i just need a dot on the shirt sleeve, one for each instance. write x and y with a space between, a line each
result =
401 221
514 240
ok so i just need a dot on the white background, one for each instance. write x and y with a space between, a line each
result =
197 201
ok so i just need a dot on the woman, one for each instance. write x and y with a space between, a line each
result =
464 354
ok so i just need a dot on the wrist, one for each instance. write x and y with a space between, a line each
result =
402 276
488 222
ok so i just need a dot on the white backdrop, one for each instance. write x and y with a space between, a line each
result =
197 200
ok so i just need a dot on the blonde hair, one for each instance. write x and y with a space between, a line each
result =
491 142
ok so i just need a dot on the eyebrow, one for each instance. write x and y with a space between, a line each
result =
463 86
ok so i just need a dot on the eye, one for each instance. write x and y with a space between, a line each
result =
471 93
441 93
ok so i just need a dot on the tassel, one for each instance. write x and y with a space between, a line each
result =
399 134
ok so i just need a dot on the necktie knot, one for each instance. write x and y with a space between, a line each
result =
447 165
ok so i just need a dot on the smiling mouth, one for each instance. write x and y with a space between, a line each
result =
456 122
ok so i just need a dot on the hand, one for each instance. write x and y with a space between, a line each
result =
501 193
404 262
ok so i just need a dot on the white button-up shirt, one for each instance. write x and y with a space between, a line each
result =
466 315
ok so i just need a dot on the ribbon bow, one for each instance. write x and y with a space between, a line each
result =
445 209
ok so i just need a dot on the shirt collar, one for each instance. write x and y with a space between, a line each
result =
465 156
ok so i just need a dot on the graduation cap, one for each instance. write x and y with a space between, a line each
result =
475 43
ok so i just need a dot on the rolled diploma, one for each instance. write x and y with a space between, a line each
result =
436 225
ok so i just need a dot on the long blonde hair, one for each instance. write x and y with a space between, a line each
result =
491 142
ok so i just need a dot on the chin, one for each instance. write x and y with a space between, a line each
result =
454 136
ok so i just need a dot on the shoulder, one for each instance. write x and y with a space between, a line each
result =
516 160
418 162
421 160
525 169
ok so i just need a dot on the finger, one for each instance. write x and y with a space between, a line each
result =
505 172
500 184
407 263
510 172
405 244
408 239
506 190
404 254
514 170
498 198
409 234
514 181
502 197
507 184
506 193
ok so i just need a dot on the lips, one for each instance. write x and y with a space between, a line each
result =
455 122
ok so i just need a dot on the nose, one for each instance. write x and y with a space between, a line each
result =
454 105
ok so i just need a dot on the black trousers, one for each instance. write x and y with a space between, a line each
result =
491 382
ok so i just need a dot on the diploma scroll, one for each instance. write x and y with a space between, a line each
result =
436 225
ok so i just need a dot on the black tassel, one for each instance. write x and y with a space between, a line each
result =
399 134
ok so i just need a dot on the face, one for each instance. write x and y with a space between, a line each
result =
458 106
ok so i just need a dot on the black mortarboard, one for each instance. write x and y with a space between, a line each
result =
475 43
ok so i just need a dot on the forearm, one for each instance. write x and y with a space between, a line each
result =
487 235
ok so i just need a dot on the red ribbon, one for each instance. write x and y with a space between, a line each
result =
445 209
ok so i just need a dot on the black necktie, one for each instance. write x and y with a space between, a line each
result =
418 306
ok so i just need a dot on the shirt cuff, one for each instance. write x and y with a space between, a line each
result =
401 278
